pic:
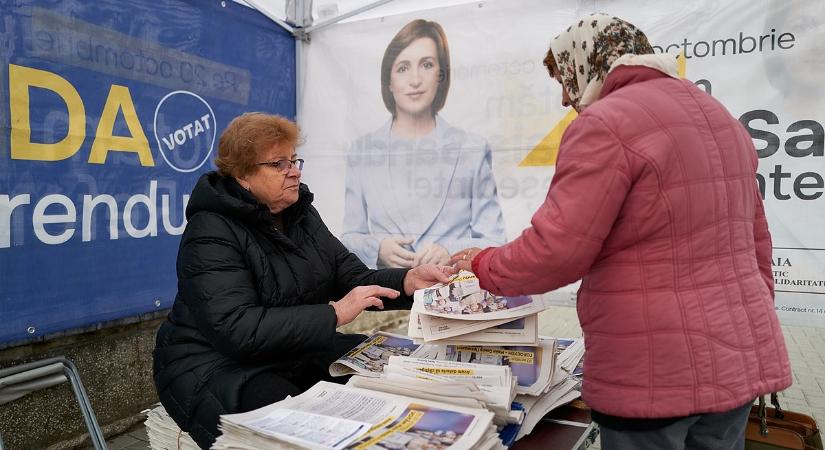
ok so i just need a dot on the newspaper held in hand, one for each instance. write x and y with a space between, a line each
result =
462 299
440 328
392 421
521 331
369 357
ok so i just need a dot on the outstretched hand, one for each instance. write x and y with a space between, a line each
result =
359 299
463 260
427 275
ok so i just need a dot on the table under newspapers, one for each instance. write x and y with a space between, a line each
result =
568 427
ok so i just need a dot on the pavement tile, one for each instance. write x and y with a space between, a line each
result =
814 332
121 442
807 381
814 398
792 393
801 407
798 365
816 364
140 434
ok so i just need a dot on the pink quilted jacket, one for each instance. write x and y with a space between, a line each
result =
654 205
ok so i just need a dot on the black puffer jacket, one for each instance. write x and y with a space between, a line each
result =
251 298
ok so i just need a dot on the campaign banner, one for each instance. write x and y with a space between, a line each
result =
109 113
482 172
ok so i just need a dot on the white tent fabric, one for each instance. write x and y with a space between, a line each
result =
326 10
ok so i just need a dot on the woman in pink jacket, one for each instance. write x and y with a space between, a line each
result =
654 206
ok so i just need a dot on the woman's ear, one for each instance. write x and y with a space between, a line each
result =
243 182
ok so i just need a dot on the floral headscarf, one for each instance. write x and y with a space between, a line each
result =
586 51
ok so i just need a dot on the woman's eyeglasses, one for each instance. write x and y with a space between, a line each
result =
283 165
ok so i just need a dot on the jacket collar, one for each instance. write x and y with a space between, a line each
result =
223 195
622 76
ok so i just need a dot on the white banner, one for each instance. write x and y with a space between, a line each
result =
502 120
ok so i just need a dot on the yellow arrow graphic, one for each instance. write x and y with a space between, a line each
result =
547 150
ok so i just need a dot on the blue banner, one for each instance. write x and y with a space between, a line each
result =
109 113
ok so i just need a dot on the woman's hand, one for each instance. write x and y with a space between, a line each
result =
431 253
359 299
392 253
425 276
463 260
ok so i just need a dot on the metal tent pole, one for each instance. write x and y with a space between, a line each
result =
257 5
303 20
303 17
354 12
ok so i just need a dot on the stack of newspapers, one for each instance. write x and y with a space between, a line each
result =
395 364
332 416
545 376
563 387
481 389
164 433
460 312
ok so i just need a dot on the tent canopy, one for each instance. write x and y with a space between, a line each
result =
311 14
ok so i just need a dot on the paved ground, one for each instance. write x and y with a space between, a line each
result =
133 439
806 346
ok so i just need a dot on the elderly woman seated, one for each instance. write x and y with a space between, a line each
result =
262 285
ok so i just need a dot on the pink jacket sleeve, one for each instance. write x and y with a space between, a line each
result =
566 234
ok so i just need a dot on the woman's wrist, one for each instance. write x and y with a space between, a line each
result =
337 315
408 284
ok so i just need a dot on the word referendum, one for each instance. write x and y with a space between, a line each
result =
733 45
57 227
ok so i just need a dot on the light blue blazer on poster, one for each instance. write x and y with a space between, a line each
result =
437 188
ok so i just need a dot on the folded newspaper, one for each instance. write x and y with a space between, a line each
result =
369 357
481 385
461 313
438 330
462 299
333 417
570 352
533 366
